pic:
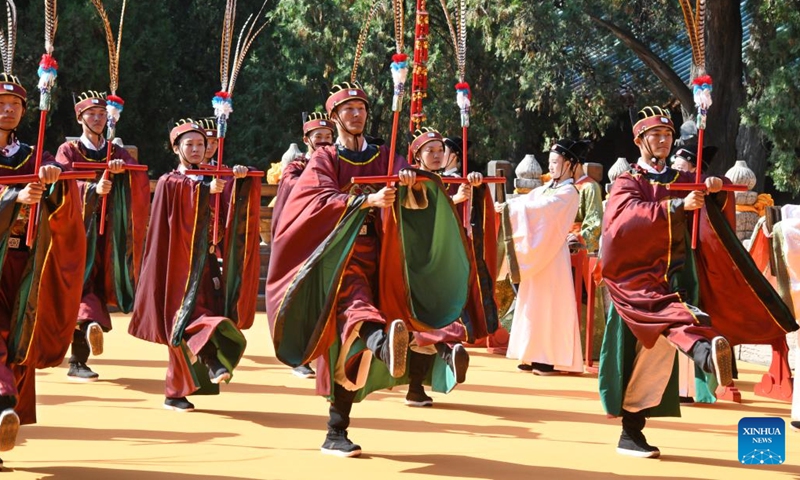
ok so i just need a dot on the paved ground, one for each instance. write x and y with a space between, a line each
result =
268 424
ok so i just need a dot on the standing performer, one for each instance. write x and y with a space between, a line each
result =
335 234
427 150
209 126
545 335
39 285
114 258
655 281
586 229
186 299
317 133
357 317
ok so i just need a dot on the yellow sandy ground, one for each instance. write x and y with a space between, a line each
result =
268 424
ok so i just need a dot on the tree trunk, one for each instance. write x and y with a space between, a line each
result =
750 147
724 64
664 72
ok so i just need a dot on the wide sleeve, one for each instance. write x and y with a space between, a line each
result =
540 221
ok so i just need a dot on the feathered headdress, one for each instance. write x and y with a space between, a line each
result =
362 38
229 70
114 104
9 83
695 30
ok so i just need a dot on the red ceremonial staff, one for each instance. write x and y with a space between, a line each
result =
695 29
48 71
114 104
229 71
399 74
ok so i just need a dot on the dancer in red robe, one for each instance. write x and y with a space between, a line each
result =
427 149
114 259
186 299
40 285
656 283
339 267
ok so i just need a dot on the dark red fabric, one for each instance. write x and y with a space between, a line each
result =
313 207
53 303
289 176
169 249
99 288
644 243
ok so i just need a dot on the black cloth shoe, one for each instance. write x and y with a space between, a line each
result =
795 425
456 358
303 371
336 443
79 372
714 357
178 404
632 441
217 372
686 400
543 369
9 427
635 445
525 367
390 347
418 398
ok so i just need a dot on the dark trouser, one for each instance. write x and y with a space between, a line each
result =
80 347
339 414
419 365
373 335
634 422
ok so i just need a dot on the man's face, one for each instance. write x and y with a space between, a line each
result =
431 156
11 111
659 139
318 137
211 148
353 116
191 148
94 119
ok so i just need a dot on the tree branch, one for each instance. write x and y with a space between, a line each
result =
663 71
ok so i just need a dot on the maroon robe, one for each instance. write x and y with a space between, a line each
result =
39 336
289 176
99 289
644 244
183 300
312 210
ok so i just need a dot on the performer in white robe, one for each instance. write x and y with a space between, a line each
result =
545 335
789 229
